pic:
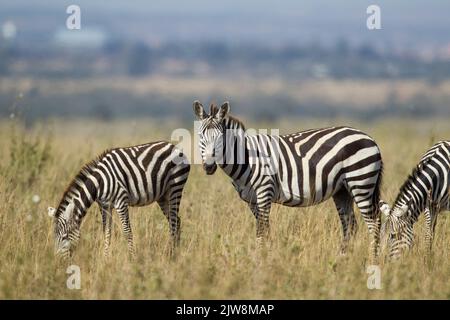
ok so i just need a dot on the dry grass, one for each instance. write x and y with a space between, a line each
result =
217 258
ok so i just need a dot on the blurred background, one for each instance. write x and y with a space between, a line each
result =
130 75
271 59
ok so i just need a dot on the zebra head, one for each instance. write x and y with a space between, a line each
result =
393 215
66 229
211 134
395 227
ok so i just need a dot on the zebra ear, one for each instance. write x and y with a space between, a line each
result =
68 212
198 110
384 208
223 111
51 212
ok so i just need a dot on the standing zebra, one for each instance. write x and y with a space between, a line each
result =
426 190
119 178
303 169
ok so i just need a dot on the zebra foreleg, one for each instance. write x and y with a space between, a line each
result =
107 224
126 227
261 214
431 211
430 221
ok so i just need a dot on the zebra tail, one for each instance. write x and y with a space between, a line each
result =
377 191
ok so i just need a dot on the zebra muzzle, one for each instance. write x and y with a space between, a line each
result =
210 168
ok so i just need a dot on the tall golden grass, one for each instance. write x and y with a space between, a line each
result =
217 257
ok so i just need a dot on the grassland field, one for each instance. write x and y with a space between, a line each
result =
217 257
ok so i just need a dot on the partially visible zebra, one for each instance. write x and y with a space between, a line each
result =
426 190
299 169
117 179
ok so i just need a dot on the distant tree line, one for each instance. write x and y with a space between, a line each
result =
109 105
120 57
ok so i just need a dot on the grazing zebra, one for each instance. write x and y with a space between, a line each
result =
426 190
299 169
117 179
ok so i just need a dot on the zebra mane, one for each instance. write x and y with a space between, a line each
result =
85 171
213 109
411 177
229 122
233 122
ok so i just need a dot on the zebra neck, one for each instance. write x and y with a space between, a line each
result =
82 192
236 157
414 198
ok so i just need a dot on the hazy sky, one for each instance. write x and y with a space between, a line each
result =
406 23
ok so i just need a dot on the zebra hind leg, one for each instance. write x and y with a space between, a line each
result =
344 205
373 221
372 217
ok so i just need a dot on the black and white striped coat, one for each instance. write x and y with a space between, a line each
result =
117 179
426 190
300 169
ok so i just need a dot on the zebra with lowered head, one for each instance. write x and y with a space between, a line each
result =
117 179
299 169
425 190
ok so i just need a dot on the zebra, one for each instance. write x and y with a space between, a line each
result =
304 169
425 190
119 178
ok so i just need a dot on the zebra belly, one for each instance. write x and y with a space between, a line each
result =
141 199
306 197
149 194
298 201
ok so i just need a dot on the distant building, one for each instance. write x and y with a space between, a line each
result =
9 30
91 38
